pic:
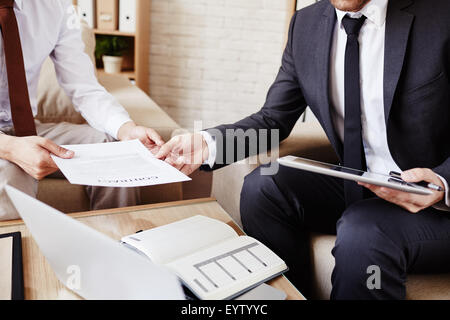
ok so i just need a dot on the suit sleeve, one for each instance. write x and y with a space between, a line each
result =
284 105
444 169
444 173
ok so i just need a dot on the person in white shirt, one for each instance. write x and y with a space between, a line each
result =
376 74
46 29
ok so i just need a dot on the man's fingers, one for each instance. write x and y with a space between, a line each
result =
57 150
186 169
410 202
385 191
51 164
366 185
155 137
399 198
417 175
189 169
411 208
371 187
44 172
154 149
178 163
166 149
413 175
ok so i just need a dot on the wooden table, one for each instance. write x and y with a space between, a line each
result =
41 282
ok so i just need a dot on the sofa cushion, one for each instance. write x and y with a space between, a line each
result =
53 104
428 287
322 264
63 196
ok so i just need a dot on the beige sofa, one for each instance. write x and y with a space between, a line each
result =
309 140
54 107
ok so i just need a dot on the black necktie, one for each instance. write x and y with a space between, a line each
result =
353 143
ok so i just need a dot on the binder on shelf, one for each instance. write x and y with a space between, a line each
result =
127 16
108 15
86 10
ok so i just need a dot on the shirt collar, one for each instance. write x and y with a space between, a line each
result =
19 4
375 11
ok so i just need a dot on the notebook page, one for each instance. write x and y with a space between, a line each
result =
173 241
228 268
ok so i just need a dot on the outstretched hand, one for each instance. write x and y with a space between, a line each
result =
149 137
186 152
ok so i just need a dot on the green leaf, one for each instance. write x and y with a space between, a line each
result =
110 46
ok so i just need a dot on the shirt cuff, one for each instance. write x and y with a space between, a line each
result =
444 205
115 123
212 147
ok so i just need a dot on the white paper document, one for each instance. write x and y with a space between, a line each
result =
117 164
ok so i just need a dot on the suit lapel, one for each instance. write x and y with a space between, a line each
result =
398 27
327 25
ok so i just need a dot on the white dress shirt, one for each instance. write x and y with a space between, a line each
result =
371 42
46 29
374 133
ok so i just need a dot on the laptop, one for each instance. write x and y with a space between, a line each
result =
89 263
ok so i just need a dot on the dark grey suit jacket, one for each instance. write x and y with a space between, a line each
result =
416 83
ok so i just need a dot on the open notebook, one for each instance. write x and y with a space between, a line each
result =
211 259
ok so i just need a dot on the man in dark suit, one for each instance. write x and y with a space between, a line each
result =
376 75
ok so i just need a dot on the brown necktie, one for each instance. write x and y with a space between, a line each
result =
21 112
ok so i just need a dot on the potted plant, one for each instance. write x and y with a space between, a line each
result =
110 50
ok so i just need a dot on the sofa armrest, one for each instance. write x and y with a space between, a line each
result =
142 109
306 140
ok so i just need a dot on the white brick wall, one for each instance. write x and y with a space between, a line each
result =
214 60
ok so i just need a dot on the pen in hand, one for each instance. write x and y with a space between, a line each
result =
398 177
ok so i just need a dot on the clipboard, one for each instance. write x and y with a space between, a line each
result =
11 246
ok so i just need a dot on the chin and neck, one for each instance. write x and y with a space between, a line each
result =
349 5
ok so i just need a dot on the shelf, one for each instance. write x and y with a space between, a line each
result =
137 56
130 74
114 33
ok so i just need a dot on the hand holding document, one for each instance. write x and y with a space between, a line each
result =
117 164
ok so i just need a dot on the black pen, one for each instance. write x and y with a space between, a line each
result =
423 184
